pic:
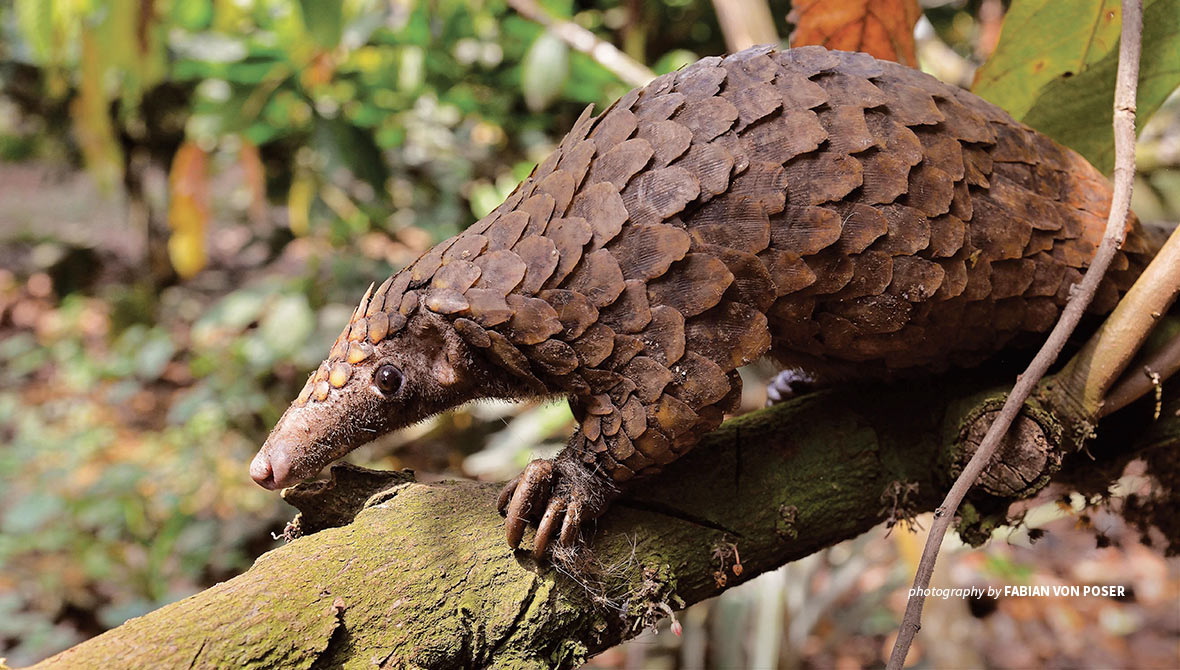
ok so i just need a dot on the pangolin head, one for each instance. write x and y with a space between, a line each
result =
389 368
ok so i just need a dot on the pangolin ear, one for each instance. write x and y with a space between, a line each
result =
444 371
449 357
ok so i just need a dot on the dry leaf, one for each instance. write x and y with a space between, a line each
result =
882 28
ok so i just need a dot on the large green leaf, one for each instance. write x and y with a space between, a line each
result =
1078 111
544 72
324 21
1044 40
1055 66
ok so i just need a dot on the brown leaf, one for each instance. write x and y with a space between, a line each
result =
882 28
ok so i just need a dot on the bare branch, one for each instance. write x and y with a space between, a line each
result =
1116 229
627 69
1087 379
1138 382
745 23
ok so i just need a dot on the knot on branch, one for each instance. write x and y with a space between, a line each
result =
1028 455
337 500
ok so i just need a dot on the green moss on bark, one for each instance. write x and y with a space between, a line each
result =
423 579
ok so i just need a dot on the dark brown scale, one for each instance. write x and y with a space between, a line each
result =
811 205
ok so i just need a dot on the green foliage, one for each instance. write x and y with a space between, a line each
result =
347 100
1061 80
545 71
1043 40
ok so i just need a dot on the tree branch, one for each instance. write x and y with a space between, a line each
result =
422 577
1116 230
745 23
1159 365
627 69
1089 376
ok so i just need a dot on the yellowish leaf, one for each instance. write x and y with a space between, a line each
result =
299 199
255 177
91 115
188 209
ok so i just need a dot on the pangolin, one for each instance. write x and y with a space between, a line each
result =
837 213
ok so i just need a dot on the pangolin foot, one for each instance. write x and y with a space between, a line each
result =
790 383
559 495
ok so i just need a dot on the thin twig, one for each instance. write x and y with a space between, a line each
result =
629 70
1120 206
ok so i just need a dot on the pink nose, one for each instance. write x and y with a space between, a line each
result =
270 471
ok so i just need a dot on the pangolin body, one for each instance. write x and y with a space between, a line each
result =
825 208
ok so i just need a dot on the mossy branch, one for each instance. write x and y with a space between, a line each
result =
422 578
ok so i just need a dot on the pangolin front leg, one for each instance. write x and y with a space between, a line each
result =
645 422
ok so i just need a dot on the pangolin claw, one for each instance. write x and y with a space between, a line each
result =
541 495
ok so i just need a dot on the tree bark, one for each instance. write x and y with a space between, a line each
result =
422 578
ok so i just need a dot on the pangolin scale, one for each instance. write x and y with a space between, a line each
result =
824 208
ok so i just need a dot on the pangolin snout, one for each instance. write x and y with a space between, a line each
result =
271 467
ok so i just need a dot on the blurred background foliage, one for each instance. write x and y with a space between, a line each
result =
193 195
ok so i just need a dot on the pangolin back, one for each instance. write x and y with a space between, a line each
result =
821 206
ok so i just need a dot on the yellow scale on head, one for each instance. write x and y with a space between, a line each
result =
353 346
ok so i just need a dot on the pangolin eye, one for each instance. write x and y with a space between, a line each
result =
388 378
